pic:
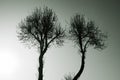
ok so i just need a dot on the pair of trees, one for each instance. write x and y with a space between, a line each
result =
42 28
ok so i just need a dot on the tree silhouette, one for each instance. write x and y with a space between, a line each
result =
85 34
41 29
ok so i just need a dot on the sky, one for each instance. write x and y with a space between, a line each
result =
20 62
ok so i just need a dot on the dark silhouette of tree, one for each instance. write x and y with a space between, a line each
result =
41 29
85 34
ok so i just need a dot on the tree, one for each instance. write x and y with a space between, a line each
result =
41 29
85 34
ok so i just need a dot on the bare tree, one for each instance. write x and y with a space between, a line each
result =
85 34
41 29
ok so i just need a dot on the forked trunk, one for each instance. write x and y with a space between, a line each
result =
81 68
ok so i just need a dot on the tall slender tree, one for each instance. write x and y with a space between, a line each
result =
85 34
41 29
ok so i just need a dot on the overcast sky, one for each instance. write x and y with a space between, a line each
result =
18 62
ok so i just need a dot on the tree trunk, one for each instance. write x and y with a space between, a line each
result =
40 69
82 67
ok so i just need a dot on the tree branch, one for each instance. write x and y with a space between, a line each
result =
80 43
37 38
38 30
85 46
52 40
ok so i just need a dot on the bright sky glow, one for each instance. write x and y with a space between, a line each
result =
9 63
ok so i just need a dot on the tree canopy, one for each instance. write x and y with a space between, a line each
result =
86 34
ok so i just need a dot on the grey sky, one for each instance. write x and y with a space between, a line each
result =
61 61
